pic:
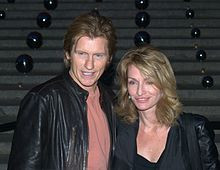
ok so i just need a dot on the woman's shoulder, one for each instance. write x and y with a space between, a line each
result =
196 121
192 118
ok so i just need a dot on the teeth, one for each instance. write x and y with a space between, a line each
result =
142 99
87 73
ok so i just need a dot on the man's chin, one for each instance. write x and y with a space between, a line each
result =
89 84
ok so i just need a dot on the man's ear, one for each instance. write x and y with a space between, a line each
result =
67 55
109 60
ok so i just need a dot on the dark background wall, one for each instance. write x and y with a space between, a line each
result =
187 31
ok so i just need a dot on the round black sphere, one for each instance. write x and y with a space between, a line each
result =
142 19
207 81
34 40
2 14
195 33
190 13
50 4
11 1
141 4
24 63
141 37
44 20
95 11
201 55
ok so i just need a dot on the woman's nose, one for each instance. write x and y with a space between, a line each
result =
140 90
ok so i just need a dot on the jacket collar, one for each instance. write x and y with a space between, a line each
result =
75 87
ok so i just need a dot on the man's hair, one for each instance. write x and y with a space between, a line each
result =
91 25
155 65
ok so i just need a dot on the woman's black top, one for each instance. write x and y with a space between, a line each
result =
190 146
140 163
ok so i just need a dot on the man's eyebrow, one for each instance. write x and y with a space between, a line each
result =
103 53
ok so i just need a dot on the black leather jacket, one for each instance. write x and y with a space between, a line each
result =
52 128
180 152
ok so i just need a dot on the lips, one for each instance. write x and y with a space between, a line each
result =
141 99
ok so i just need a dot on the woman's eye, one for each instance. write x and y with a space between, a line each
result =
131 82
149 83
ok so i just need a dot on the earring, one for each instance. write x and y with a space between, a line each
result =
129 97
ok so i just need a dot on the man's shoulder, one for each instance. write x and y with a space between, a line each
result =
54 83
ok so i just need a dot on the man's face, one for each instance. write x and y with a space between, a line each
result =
88 60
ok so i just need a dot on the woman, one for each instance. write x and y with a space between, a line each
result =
153 133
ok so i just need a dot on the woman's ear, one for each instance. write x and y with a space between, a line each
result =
161 94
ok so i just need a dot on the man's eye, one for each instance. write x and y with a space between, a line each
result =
99 55
79 53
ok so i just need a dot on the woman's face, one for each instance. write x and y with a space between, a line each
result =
144 94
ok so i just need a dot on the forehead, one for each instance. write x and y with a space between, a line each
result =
135 73
92 44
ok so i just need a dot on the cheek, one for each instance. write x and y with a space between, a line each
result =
101 66
131 91
153 90
77 61
159 95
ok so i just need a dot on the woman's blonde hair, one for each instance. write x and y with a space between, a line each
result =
155 65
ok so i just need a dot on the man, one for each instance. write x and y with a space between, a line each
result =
68 122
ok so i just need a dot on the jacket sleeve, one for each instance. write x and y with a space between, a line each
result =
208 149
27 140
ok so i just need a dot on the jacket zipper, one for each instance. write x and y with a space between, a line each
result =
86 135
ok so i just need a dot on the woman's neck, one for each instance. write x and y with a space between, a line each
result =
148 121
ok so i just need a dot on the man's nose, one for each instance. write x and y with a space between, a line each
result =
89 63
